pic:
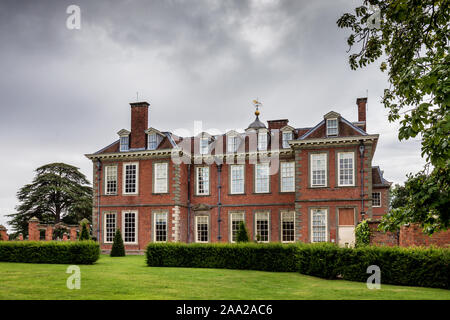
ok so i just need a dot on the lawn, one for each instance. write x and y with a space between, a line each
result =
130 278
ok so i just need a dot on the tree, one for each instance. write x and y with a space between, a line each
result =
117 250
399 197
58 192
242 234
84 232
412 40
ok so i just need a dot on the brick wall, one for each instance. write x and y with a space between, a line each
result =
380 238
412 235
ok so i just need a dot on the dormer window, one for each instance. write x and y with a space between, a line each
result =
204 145
332 127
124 146
152 141
287 136
233 144
262 141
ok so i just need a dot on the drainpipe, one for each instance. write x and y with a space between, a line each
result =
219 203
361 151
189 204
99 169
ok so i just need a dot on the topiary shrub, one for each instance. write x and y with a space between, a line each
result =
242 234
55 252
362 234
118 249
84 232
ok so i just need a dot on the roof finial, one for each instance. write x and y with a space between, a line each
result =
257 105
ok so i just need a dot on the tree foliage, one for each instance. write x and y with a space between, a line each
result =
58 193
242 234
362 234
118 249
84 232
413 43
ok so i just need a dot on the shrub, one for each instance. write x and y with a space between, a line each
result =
362 234
55 252
117 250
84 232
242 234
426 267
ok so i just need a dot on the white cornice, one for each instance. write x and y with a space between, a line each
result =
335 140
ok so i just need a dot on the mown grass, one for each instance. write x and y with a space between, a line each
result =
130 278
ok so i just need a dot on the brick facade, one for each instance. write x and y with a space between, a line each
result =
181 204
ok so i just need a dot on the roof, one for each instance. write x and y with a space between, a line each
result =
378 179
257 124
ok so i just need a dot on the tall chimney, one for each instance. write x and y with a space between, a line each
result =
362 103
139 123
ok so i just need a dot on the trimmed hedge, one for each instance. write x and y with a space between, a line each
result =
426 267
54 252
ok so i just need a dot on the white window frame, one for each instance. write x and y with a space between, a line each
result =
124 176
339 169
284 142
136 226
107 169
124 146
196 228
166 216
234 146
329 128
156 178
204 149
242 219
197 184
266 214
379 199
262 143
312 167
311 224
152 138
256 178
283 213
105 229
233 182
283 171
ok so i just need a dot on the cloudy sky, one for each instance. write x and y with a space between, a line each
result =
65 93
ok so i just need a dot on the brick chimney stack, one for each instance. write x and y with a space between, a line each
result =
139 123
362 105
277 124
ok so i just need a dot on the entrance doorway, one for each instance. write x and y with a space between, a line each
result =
346 227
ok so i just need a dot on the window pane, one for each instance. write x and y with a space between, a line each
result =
111 179
160 227
204 146
287 136
262 141
130 178
110 226
287 177
123 143
203 180
262 178
202 228
236 219
318 169
237 179
152 141
130 227
233 143
262 226
332 127
319 225
288 226
161 178
376 199
346 169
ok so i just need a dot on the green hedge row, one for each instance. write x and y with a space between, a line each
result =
426 267
55 252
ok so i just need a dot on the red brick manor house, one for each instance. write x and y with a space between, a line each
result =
288 184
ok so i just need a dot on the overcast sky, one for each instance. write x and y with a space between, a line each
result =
65 93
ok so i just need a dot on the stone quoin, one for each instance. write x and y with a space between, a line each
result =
287 184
